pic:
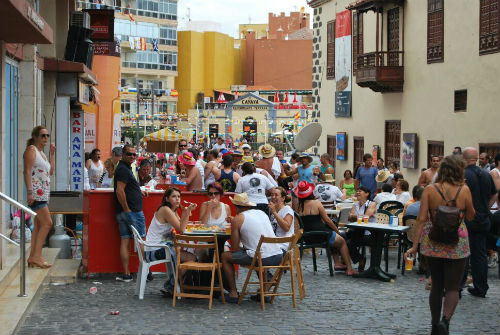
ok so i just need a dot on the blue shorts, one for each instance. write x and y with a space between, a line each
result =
131 218
37 205
241 257
332 238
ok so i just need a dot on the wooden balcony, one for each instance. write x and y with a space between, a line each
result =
381 71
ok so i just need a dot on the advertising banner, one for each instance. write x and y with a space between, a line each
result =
343 76
77 150
117 130
90 112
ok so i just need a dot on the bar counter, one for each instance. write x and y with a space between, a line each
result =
101 237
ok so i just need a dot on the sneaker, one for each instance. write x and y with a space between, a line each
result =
492 260
475 292
125 278
149 277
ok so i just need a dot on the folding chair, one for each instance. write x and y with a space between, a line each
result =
287 263
199 242
144 265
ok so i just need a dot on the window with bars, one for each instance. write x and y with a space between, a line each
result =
435 31
489 27
392 141
461 101
330 50
357 39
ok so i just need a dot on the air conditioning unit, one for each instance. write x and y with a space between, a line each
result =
80 19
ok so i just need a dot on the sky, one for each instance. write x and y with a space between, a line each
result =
231 13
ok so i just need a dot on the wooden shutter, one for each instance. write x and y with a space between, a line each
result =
357 38
393 36
392 141
359 151
330 50
435 31
434 148
492 149
489 27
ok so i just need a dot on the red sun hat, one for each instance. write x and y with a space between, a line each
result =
303 189
187 158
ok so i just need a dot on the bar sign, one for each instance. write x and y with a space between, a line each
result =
76 151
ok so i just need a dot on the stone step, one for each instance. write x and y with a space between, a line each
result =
64 271
13 308
10 267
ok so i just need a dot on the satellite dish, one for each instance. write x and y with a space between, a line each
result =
307 136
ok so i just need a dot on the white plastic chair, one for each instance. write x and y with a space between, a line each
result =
144 266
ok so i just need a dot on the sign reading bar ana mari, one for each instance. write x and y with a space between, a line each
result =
77 150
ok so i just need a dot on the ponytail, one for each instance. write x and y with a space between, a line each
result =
34 133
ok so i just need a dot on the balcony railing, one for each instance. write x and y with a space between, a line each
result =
124 10
382 71
149 66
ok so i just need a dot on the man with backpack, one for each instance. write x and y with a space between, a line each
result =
484 194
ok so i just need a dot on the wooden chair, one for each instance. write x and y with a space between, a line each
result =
199 242
270 288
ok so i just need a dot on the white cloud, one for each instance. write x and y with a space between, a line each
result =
231 13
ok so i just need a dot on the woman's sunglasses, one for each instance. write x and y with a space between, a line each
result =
45 135
213 193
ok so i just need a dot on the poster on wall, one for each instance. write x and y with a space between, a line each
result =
341 146
343 64
410 151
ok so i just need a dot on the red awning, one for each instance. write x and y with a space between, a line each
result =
20 23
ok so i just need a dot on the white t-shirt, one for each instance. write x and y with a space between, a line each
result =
277 228
403 197
257 223
200 167
218 146
158 233
255 185
384 196
327 193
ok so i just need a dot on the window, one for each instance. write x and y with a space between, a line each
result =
331 146
435 31
330 50
489 27
492 149
461 101
357 39
392 141
434 148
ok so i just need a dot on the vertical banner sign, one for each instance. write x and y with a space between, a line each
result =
343 64
76 150
341 146
117 118
90 112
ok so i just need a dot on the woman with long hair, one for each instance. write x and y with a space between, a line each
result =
282 216
106 179
349 184
37 172
164 220
445 250
214 212
313 214
95 167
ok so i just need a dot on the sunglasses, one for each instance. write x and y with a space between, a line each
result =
130 154
213 193
45 135
182 145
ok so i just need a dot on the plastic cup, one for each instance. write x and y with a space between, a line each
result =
360 219
409 263
365 219
228 229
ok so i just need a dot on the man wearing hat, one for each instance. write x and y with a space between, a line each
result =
325 191
385 195
304 170
269 162
247 227
382 178
247 150
237 156
193 179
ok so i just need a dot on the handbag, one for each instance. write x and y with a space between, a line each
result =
446 220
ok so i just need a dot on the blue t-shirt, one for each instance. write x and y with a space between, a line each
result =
413 209
366 178
305 174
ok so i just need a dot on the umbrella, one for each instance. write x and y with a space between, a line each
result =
295 97
276 98
221 98
286 97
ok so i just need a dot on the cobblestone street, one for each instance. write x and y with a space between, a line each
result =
338 305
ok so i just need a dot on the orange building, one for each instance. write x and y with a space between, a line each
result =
268 61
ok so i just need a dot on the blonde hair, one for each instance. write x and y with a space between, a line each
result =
34 133
109 163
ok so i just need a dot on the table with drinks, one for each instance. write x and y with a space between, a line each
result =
378 231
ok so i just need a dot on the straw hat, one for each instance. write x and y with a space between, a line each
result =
329 178
241 199
304 155
303 189
246 146
246 159
267 150
187 158
382 176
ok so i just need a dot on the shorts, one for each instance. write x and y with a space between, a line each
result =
37 205
332 238
241 257
131 218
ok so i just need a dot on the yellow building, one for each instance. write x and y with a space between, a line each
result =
261 30
208 61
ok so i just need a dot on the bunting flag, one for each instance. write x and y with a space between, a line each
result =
297 116
155 45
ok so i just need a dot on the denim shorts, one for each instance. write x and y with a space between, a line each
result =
241 257
37 205
332 238
131 218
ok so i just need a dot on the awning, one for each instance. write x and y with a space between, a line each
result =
162 135
60 65
20 23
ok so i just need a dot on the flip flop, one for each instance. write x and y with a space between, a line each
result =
352 272
340 268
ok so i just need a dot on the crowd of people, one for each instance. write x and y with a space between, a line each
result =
455 203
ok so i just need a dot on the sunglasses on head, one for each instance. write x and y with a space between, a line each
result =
213 193
45 135
130 154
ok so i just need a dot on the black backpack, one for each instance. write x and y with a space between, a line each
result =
446 220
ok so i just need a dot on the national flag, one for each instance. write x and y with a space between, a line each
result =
142 43
297 116
174 93
155 45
